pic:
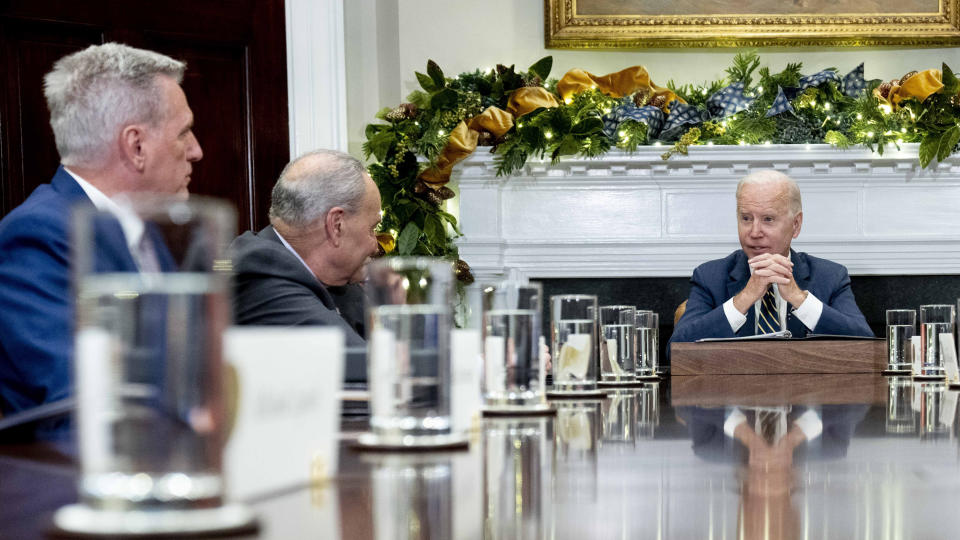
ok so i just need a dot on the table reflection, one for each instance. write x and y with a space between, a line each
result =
518 477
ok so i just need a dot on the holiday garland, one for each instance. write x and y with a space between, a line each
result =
523 115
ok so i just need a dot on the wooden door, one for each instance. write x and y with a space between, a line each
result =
235 83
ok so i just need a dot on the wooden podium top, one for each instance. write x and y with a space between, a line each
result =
764 357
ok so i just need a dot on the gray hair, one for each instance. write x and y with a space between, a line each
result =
315 182
92 94
769 176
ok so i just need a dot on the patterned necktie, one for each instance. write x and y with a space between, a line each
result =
768 319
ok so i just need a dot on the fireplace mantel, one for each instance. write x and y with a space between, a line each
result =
636 215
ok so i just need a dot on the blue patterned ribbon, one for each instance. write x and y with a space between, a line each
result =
649 115
780 105
729 100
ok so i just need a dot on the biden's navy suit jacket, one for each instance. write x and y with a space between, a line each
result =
36 293
715 282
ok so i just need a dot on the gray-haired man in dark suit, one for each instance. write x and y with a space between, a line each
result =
297 271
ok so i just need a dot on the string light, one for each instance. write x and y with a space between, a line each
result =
441 132
826 107
859 116
870 134
622 133
548 134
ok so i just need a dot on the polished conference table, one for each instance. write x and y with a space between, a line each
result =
646 462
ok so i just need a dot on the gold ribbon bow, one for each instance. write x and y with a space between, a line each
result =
619 84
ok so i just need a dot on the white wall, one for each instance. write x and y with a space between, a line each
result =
387 40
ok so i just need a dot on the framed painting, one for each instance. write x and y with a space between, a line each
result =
612 24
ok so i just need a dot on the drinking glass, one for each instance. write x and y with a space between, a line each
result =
574 342
618 349
409 306
901 325
152 302
935 319
648 324
514 378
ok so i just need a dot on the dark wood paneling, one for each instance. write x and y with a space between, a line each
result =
775 356
235 84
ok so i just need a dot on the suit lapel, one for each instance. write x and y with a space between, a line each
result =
315 284
736 281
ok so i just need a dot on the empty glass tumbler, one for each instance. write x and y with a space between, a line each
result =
409 307
153 299
934 320
574 342
514 373
618 344
901 325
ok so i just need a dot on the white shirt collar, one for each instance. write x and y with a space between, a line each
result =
131 225
295 254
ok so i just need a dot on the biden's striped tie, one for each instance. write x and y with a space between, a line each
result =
768 319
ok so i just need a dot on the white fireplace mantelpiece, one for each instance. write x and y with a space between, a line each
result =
636 215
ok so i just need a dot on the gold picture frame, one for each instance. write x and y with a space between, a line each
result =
618 24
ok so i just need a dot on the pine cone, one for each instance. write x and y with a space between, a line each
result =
534 81
907 76
462 271
658 101
410 109
884 89
420 187
397 114
486 139
446 193
642 97
432 197
501 69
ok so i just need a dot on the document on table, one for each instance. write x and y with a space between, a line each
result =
783 334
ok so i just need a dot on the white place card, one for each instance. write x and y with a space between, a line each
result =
465 398
286 384
949 351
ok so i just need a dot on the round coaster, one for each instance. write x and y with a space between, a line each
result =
576 394
429 443
930 377
953 386
82 521
545 409
619 384
648 378
895 372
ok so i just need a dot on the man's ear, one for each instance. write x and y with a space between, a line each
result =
334 224
132 149
797 222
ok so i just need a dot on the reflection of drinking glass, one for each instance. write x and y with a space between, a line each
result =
648 331
899 405
413 496
518 478
618 350
932 403
408 344
901 324
934 320
577 432
149 367
514 374
648 410
620 417
573 340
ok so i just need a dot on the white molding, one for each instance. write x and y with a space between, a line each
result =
635 215
316 75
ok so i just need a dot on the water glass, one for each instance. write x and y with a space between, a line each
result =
934 320
648 342
618 349
409 306
153 300
574 341
514 375
901 325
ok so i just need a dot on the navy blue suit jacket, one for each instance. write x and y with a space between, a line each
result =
36 296
715 282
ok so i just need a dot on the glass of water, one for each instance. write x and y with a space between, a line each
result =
935 319
514 377
153 299
574 342
901 325
618 349
410 310
648 342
